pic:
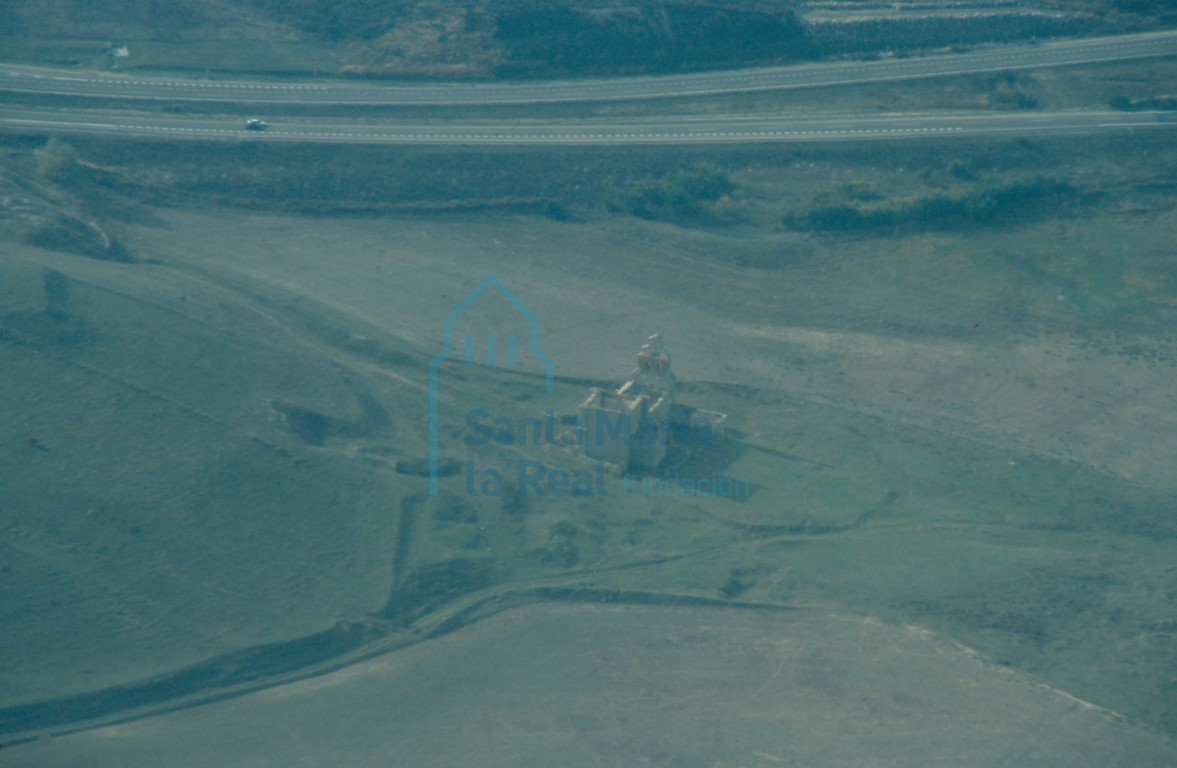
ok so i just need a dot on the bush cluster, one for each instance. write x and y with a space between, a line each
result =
678 195
545 37
975 205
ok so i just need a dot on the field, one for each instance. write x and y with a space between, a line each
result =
951 403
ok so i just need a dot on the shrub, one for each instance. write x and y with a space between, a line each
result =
679 194
56 161
977 205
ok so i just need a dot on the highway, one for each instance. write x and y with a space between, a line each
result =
65 82
657 130
127 110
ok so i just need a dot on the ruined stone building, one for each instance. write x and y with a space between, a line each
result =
640 426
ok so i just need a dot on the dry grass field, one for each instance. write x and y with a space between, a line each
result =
952 408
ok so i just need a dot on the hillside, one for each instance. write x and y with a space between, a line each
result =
523 38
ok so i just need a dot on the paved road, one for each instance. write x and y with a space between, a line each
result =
660 130
19 78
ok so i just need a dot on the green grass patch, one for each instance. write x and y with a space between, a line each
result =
1143 104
